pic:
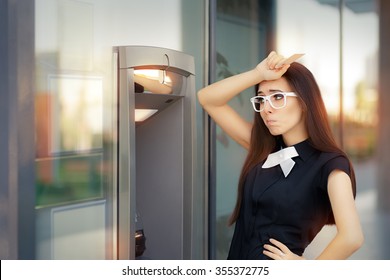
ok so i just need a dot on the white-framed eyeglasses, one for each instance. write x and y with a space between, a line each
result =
277 100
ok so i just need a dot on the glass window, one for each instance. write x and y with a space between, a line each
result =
243 31
76 111
69 129
360 91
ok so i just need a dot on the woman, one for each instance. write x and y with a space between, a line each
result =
295 179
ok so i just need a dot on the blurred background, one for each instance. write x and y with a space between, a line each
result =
63 205
344 43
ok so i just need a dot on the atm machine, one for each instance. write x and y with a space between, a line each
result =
156 153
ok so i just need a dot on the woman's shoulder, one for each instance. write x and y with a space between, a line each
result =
321 155
335 160
330 160
333 156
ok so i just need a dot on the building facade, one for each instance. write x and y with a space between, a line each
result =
60 191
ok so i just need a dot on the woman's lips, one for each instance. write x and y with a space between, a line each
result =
270 122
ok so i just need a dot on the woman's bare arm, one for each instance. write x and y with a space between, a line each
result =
349 237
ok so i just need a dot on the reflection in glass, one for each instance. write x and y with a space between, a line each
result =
77 114
68 179
69 127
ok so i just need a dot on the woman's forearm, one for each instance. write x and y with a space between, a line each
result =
271 68
342 247
219 93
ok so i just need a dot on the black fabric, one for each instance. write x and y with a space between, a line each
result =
292 210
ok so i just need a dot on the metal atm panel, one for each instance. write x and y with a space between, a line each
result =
156 156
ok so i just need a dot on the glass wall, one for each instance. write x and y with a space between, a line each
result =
341 49
76 113
243 35
360 89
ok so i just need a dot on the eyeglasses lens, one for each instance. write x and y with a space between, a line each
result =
276 100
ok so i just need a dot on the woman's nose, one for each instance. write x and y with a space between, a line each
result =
267 107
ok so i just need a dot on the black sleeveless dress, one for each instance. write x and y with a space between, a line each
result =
291 210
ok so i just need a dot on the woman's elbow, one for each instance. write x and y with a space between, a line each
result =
355 241
359 241
201 98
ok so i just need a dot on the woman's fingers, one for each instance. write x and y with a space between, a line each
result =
274 59
275 65
277 250
289 60
279 245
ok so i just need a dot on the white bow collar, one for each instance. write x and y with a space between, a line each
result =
283 158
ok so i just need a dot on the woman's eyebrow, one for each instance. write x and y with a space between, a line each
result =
271 91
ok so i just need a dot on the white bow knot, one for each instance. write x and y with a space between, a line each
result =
282 157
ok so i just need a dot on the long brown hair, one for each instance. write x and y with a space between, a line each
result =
262 142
